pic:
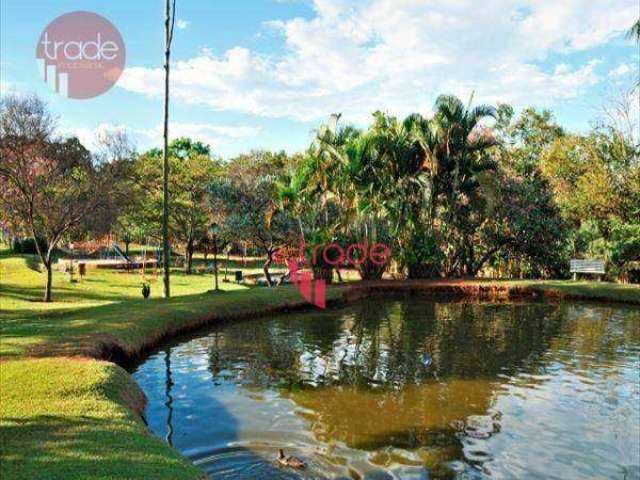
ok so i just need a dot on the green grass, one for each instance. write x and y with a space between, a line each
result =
595 290
22 284
64 419
105 302
605 291
68 418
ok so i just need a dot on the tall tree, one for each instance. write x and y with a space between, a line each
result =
458 159
191 171
634 31
246 202
49 186
169 23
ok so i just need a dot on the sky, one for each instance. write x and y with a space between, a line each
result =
266 73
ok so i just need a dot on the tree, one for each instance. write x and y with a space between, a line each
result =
169 23
413 180
115 153
191 171
634 31
457 152
245 200
524 222
49 185
526 138
592 176
336 195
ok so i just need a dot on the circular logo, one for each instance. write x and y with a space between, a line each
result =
80 55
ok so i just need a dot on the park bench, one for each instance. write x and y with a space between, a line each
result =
590 266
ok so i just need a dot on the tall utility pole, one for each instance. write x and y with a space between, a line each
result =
169 21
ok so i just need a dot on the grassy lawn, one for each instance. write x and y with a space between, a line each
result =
66 418
584 289
22 284
594 290
104 302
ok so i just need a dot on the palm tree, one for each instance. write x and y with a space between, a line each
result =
458 148
634 31
401 179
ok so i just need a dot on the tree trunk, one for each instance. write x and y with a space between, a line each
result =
126 248
188 257
266 266
45 258
165 151
323 272
476 266
370 271
47 290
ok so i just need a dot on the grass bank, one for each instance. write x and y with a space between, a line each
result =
72 417
504 289
585 290
105 305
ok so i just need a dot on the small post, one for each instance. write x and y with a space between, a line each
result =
213 231
226 267
215 261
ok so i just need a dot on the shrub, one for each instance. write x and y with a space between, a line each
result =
28 245
423 258
624 248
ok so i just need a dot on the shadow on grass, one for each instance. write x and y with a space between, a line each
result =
61 294
50 446
109 442
131 322
33 263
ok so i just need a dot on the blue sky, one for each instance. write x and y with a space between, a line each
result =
265 73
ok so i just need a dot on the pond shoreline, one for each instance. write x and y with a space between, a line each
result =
110 349
385 374
133 328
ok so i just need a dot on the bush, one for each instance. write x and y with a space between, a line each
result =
28 245
624 248
423 259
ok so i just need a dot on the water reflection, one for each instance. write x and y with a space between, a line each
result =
412 389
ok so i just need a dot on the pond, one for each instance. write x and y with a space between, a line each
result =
408 388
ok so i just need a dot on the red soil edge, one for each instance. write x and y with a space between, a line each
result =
106 347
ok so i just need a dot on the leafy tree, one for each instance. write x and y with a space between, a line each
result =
524 221
624 247
49 185
458 155
245 202
526 138
113 149
192 170
594 178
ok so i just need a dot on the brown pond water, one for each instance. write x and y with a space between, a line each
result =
407 389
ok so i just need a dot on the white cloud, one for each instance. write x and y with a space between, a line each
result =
182 24
355 57
216 136
621 70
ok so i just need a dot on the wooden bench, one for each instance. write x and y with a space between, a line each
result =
592 266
